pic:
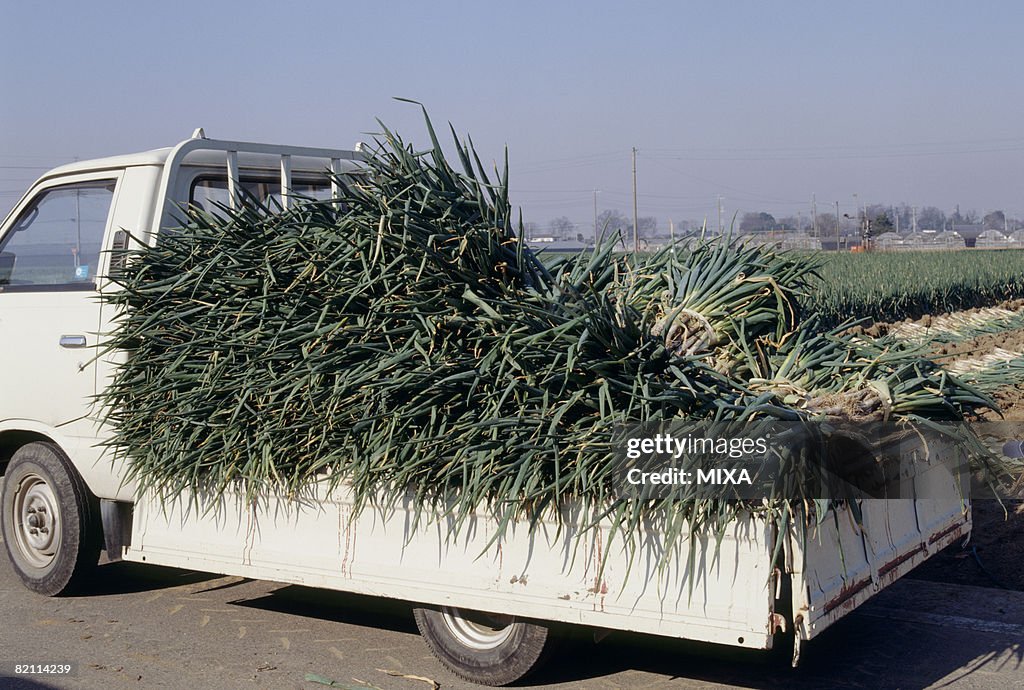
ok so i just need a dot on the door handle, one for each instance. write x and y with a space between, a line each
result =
73 341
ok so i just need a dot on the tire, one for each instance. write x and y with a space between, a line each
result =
483 648
50 520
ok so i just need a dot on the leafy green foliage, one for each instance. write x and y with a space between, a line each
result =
403 340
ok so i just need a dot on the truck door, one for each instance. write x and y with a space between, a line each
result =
50 251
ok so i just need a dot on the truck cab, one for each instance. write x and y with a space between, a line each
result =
56 248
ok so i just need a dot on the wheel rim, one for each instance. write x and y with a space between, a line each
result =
479 631
36 521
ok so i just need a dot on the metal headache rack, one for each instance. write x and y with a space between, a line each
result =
236 156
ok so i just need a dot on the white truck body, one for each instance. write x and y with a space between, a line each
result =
732 595
733 598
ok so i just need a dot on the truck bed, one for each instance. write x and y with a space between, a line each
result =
731 594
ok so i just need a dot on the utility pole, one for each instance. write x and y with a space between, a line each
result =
672 234
913 225
597 233
814 214
860 219
636 220
837 226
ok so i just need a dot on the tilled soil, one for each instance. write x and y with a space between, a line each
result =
1011 404
934 321
993 556
981 345
1011 398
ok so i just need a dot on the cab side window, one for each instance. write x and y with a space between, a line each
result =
55 243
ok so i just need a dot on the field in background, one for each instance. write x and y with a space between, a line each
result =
895 286
892 286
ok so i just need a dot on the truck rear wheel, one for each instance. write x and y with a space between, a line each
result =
483 648
50 521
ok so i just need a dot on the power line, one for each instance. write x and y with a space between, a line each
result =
842 156
550 191
826 147
26 157
564 159
569 163
754 195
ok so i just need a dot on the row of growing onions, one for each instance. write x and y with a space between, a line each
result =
960 326
406 342
896 286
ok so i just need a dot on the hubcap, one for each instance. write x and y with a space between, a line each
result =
37 521
479 631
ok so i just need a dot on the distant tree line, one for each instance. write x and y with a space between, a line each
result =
609 222
880 219
872 220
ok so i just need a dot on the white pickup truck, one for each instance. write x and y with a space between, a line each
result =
485 609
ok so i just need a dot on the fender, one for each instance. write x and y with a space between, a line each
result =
104 477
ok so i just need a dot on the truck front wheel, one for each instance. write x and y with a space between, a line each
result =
50 521
483 648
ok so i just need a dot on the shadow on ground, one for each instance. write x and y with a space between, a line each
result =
131 578
861 651
22 683
338 607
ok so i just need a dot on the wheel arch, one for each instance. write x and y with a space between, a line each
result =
13 439
103 477
115 516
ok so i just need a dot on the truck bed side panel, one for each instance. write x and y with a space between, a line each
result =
550 575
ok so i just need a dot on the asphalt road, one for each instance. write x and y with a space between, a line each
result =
151 627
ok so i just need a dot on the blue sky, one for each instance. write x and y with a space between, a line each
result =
763 103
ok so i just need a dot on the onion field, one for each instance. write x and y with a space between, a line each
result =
895 286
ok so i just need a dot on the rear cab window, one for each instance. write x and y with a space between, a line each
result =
209 192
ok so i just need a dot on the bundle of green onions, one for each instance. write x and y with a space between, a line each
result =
405 340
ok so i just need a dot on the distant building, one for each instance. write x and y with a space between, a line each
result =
992 239
969 231
888 241
949 240
786 241
552 245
